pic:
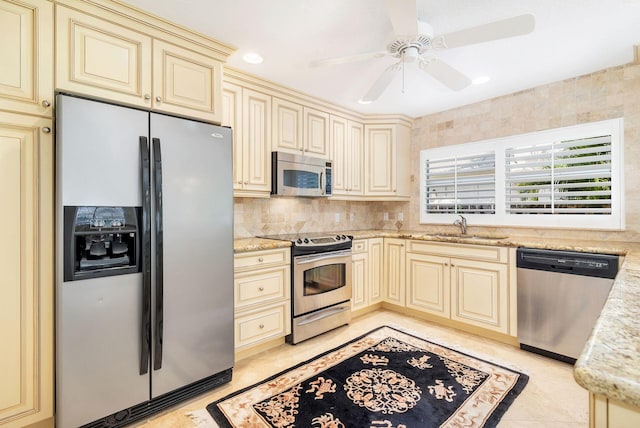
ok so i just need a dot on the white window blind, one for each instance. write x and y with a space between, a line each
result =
461 185
567 177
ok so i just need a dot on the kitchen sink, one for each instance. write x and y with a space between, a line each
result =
471 237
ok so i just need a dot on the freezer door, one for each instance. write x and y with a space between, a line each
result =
193 311
98 345
98 158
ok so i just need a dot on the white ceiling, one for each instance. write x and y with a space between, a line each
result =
571 38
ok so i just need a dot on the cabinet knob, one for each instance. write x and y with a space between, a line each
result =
159 99
261 326
446 264
46 129
147 97
46 103
246 182
261 288
260 259
452 265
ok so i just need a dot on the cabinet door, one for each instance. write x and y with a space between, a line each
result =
26 263
376 271
394 265
360 276
232 117
381 160
479 292
256 146
287 126
340 151
186 83
428 284
97 57
355 156
316 133
26 49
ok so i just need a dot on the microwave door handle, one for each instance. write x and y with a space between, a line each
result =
322 182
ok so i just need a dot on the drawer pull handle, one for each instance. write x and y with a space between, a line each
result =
261 288
261 326
260 259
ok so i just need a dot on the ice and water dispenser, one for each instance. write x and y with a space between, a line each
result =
101 241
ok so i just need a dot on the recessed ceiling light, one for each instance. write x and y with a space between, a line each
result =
252 58
480 80
364 102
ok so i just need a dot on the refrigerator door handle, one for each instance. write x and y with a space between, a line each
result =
157 171
145 342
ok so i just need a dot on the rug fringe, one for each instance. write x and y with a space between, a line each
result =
202 419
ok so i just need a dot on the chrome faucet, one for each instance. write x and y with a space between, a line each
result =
462 222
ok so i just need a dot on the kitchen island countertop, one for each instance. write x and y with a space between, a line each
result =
610 362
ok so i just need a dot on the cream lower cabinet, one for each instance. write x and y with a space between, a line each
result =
394 271
26 52
262 297
607 413
26 270
465 283
103 53
367 273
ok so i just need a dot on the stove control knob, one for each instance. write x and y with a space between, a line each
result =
299 241
306 241
338 237
344 237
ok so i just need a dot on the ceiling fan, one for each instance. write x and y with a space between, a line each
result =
414 40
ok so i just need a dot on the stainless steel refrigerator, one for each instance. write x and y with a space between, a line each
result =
144 261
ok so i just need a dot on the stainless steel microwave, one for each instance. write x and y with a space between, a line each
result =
297 175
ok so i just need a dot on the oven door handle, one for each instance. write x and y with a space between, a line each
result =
302 260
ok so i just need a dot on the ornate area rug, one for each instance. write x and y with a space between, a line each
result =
386 378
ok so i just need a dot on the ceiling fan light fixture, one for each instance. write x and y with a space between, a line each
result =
361 101
480 80
252 58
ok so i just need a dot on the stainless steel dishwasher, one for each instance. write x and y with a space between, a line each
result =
560 296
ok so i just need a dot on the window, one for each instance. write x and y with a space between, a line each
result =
564 177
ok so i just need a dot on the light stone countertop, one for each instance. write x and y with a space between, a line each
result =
610 362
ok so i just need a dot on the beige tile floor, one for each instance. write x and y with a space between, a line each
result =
551 398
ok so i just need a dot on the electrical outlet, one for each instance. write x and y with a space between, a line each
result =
337 217
352 216
385 216
400 217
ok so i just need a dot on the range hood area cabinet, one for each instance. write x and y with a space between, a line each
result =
103 53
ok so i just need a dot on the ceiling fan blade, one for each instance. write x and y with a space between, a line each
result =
347 59
381 84
445 74
404 17
510 27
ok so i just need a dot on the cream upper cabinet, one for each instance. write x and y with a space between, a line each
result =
394 273
316 133
26 263
256 143
287 126
26 52
186 83
107 55
347 149
387 166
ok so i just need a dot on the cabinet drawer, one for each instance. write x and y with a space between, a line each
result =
464 251
359 246
261 325
261 286
260 259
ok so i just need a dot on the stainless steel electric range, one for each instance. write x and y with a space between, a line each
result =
320 283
